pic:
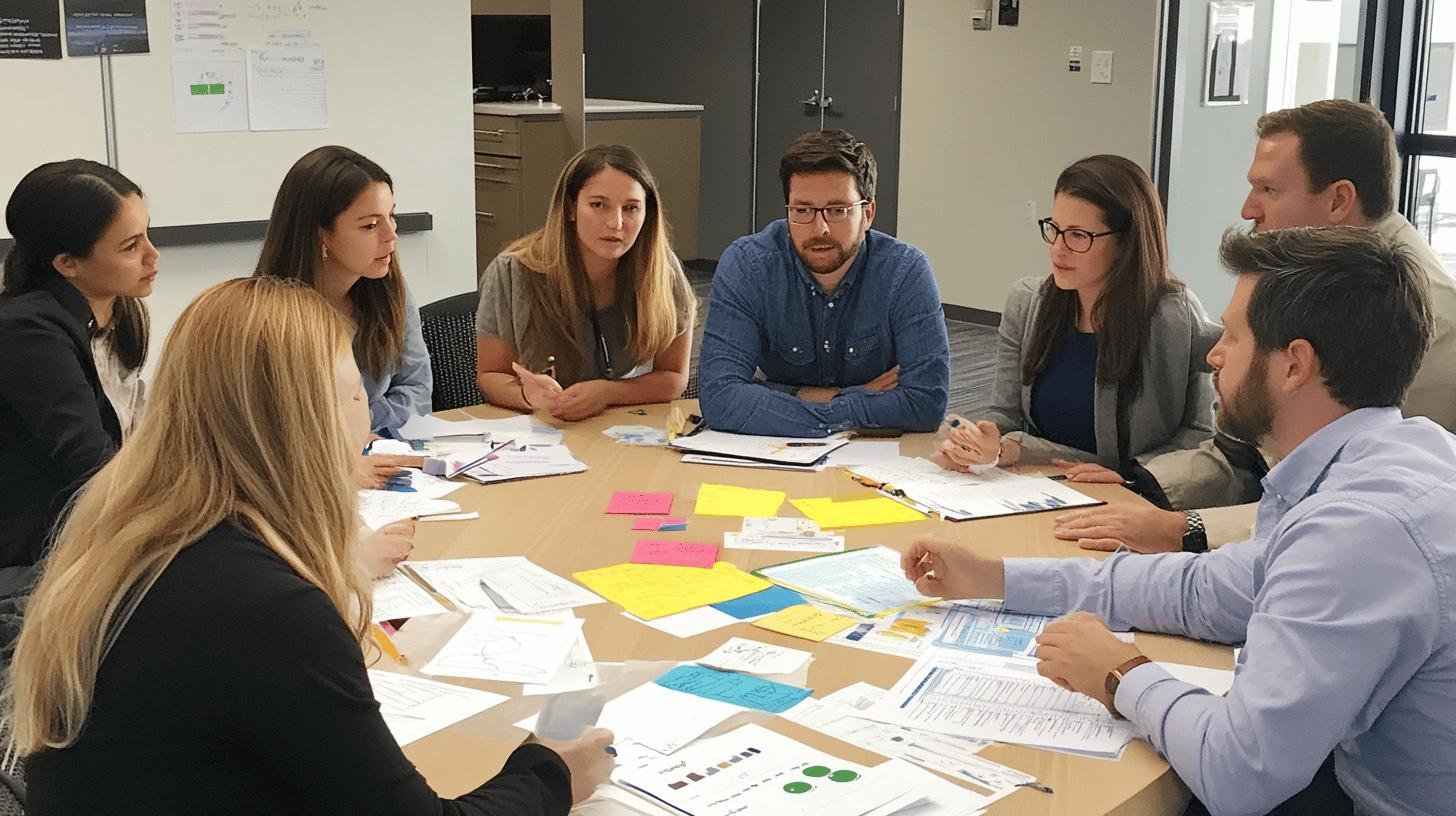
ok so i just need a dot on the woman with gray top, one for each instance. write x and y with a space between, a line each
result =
1104 360
592 310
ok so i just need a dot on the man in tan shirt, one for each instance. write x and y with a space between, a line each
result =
1327 163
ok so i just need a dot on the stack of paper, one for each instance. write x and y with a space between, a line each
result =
526 463
965 695
514 584
777 450
414 707
784 535
754 770
958 496
380 507
856 512
640 435
841 715
652 591
867 582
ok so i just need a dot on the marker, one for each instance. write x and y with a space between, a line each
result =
806 444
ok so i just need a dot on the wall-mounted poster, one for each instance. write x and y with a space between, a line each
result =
30 29
1228 53
106 27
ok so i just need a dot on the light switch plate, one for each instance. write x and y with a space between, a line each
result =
1102 67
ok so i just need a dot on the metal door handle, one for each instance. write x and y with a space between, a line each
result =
485 214
490 166
816 101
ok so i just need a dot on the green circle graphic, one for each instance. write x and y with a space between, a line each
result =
843 776
816 771
798 787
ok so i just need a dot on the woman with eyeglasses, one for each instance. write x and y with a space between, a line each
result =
1104 360
592 310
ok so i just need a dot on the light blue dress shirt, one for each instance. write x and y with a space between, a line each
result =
408 388
1345 599
766 313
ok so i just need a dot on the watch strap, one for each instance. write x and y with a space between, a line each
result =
1114 677
1195 537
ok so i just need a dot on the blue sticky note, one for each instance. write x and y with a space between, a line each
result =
730 687
760 603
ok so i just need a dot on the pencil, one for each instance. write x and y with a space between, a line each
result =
386 645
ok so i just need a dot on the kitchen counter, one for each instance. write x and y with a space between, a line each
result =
594 107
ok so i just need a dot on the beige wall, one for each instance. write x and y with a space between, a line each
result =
990 117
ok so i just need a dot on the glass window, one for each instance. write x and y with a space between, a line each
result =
1433 210
1436 111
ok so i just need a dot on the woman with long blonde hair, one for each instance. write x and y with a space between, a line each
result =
200 611
592 310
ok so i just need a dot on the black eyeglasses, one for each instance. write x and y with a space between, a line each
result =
1077 240
836 214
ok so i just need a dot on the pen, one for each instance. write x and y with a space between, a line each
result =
1034 785
415 576
386 645
805 444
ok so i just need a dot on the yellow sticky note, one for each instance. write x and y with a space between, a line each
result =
730 500
805 621
830 514
651 591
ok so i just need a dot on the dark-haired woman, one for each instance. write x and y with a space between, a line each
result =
73 335
592 310
1103 360
333 228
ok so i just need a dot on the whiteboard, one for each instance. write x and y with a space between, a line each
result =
398 91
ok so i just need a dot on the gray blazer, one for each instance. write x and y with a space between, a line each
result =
1173 411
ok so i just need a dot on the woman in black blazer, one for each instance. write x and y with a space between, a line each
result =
73 283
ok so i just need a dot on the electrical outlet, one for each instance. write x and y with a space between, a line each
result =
1030 211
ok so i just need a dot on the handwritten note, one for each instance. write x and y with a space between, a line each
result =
661 525
805 622
652 591
730 500
856 513
737 689
675 553
744 655
640 504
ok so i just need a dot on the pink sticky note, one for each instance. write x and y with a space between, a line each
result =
640 504
657 523
675 553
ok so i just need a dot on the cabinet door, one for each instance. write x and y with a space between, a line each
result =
497 205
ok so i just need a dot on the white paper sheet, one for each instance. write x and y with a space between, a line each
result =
457 579
547 460
754 770
662 719
867 581
414 707
883 635
396 596
429 426
963 495
864 452
577 673
728 461
752 657
380 507
287 89
688 624
1218 681
961 694
782 449
507 648
783 535
528 588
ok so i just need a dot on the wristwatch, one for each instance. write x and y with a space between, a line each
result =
1195 538
1114 677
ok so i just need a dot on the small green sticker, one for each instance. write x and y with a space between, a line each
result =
217 88
843 776
199 90
816 771
798 787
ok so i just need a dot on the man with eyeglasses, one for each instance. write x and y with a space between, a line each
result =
818 323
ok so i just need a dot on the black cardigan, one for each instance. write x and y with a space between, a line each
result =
57 426
236 688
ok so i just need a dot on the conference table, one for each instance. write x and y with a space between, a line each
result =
560 523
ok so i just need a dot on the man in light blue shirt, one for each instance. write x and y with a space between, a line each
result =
1345 598
819 323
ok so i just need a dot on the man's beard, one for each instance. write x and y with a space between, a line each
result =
834 261
1249 415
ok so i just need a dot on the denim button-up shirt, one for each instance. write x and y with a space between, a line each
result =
768 316
1345 599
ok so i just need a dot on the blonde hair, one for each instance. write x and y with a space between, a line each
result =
560 286
245 398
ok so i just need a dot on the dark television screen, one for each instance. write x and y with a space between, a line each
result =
511 53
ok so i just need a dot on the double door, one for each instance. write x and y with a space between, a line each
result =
824 65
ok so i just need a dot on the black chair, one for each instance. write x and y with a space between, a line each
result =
448 326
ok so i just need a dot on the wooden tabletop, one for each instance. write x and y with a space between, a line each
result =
559 523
